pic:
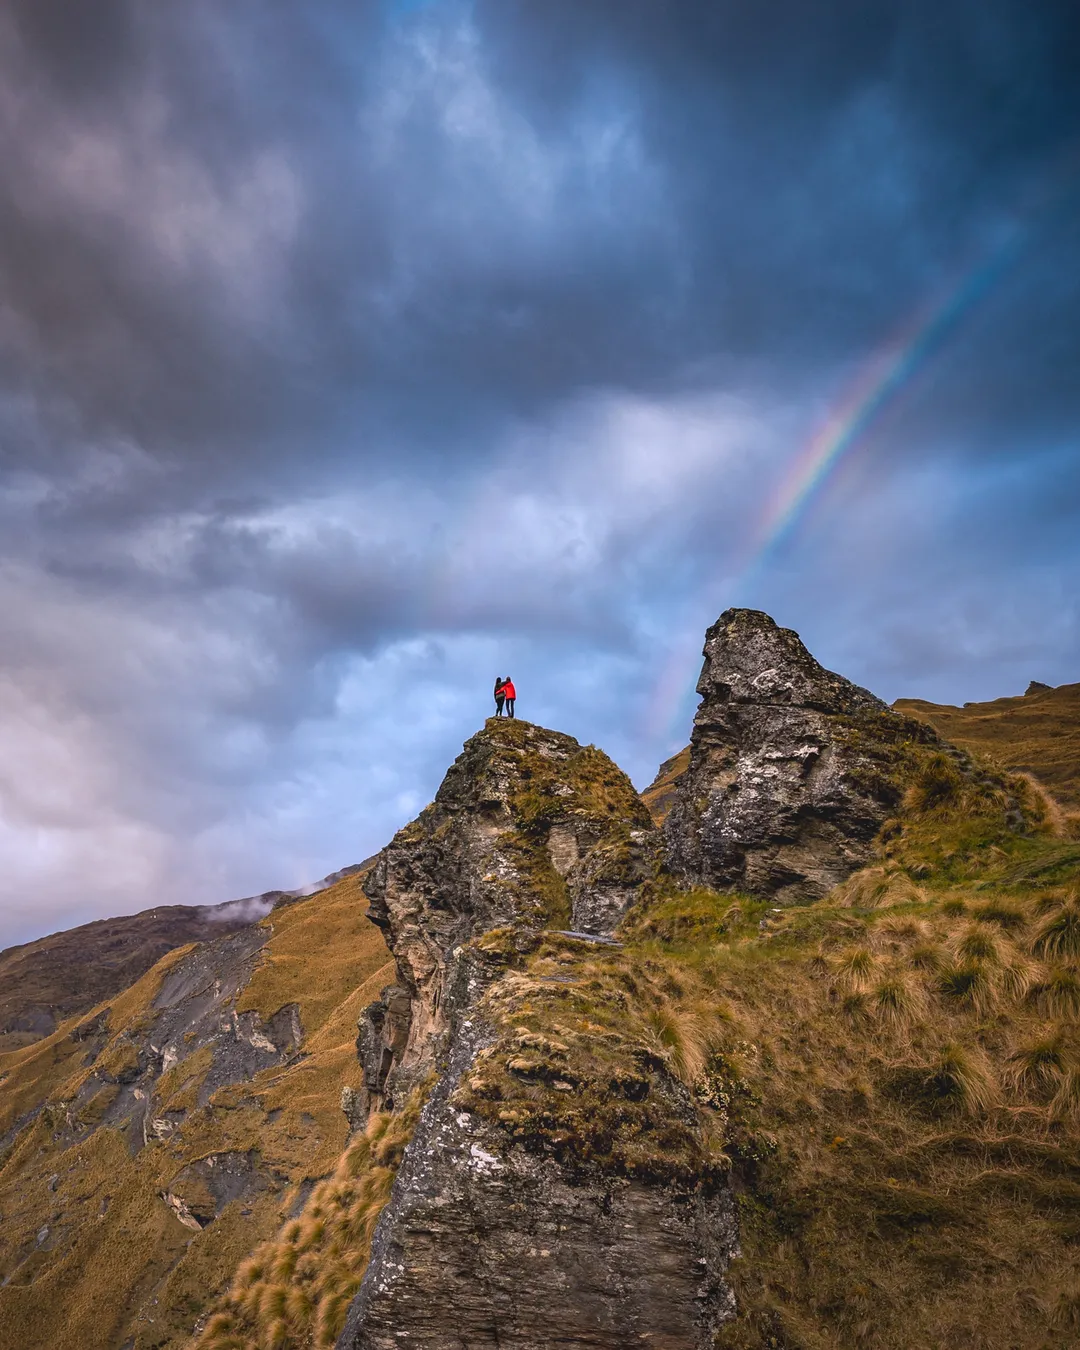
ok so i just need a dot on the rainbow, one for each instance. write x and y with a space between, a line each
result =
891 370
876 388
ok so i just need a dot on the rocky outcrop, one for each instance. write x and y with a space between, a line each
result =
504 1229
528 830
193 1011
792 769
489 1245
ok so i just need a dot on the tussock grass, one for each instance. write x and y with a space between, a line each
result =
1056 993
876 887
294 1291
962 1077
898 1001
972 984
684 1036
1058 938
979 944
1066 1103
1002 913
854 969
1038 1067
937 783
929 957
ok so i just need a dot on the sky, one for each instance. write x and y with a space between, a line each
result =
354 354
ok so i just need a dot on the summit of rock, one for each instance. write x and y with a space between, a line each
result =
791 769
528 830
749 658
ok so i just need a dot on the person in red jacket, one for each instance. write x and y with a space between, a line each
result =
509 693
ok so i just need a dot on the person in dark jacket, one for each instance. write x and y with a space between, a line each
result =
509 693
500 697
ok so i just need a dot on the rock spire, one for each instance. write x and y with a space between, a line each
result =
791 770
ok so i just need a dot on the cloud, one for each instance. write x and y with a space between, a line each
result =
349 355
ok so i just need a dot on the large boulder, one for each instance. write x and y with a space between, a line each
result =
792 770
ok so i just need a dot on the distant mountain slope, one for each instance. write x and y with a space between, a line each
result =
660 794
146 1148
55 977
1037 733
43 982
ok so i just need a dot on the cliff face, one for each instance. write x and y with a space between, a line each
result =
792 769
511 1224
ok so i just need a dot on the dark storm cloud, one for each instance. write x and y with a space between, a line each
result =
348 350
284 223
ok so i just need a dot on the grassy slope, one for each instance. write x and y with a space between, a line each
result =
116 1262
896 1080
660 794
1038 733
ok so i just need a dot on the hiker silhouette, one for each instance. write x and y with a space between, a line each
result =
500 697
510 694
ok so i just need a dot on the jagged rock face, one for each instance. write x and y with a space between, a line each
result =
489 1240
792 768
493 1246
529 829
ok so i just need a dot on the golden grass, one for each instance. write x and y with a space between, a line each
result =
1038 734
659 796
294 1291
321 948
1058 938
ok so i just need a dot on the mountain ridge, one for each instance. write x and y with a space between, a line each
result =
63 974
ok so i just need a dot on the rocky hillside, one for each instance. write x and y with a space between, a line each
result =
1038 733
44 982
799 1069
147 1146
64 974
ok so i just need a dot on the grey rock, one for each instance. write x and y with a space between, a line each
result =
484 1243
496 1247
471 864
202 1189
792 768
